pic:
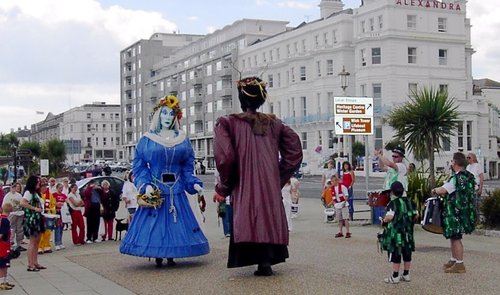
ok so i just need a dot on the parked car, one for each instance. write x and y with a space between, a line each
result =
115 182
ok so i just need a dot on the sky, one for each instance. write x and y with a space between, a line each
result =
59 54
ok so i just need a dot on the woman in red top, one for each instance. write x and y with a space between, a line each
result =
60 200
348 179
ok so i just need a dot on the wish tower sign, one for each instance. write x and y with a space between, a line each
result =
353 115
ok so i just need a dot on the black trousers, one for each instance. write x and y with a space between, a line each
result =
93 220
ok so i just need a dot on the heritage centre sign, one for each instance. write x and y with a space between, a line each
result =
353 115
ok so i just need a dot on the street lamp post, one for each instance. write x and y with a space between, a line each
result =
344 83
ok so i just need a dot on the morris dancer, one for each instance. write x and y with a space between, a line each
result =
459 213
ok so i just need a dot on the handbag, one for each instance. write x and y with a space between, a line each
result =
65 213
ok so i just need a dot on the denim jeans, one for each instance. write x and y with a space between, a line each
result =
228 220
58 232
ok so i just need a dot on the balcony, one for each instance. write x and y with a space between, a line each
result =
226 92
198 117
197 81
225 72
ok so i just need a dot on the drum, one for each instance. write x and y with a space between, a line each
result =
378 198
433 216
330 214
50 221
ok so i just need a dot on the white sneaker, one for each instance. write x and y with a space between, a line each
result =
62 247
391 280
89 242
405 278
97 241
58 248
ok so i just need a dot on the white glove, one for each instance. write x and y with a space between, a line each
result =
149 190
198 188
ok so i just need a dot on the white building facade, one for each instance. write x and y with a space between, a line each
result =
390 47
89 132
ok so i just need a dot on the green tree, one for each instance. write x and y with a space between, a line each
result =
55 151
7 141
428 118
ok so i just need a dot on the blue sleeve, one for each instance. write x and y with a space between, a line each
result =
187 169
140 167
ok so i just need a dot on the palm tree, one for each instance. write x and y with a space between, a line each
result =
428 118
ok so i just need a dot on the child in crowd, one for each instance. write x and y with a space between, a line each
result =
397 238
5 246
340 196
326 199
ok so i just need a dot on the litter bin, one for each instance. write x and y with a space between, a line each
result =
376 213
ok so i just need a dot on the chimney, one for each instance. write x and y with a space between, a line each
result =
327 7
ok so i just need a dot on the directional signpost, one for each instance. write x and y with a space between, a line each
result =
353 115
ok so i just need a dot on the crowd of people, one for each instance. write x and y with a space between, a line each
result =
256 155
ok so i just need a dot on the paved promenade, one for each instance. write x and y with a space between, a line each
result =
318 264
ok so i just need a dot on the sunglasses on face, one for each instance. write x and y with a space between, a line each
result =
396 156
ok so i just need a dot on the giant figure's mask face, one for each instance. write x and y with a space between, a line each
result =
167 118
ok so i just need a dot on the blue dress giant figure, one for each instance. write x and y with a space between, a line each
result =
164 158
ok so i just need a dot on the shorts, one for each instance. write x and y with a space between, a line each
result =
4 262
456 237
342 213
396 258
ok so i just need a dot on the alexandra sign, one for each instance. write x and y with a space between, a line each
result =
430 4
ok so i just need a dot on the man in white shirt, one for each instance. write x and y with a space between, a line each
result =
477 170
16 217
396 170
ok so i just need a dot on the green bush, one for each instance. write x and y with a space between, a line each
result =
490 207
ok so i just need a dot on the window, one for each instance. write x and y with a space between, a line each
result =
325 39
378 137
264 59
270 80
334 36
278 80
443 88
362 52
320 138
316 41
362 89
372 24
468 127
304 140
218 85
376 56
441 24
209 70
412 89
460 134
89 115
88 127
362 26
209 89
446 144
288 50
218 66
330 139
292 72
318 68
104 141
277 53
303 45
329 100
103 127
302 73
411 22
377 97
412 55
443 57
303 101
329 67
89 141
380 22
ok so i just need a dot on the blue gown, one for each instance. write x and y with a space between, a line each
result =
172 230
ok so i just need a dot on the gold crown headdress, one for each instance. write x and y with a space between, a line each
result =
252 82
171 102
